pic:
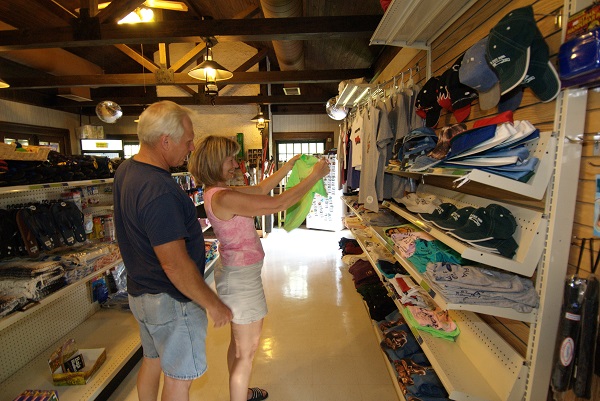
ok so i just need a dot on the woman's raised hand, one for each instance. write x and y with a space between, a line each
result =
321 168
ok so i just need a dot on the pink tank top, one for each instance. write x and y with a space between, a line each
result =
239 243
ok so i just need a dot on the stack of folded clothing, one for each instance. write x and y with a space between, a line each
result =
372 290
489 228
433 321
421 312
483 286
9 304
84 261
33 280
349 246
416 377
418 247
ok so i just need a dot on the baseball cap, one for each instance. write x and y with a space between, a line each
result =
541 76
511 100
504 117
508 48
441 212
439 153
505 247
453 95
487 223
455 219
426 105
467 140
476 73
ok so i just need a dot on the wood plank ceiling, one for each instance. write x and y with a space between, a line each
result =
52 51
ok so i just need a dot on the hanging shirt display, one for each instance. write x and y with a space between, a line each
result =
356 138
370 159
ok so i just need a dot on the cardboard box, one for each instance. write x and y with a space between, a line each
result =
583 21
93 357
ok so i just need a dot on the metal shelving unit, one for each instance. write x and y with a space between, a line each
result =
479 365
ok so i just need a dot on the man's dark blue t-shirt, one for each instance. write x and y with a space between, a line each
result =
151 209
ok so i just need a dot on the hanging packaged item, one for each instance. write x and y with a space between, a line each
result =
579 59
567 340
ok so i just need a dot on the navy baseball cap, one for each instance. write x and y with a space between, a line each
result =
508 49
468 139
453 95
487 223
541 76
456 219
441 212
426 105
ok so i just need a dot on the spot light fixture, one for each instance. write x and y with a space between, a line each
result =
209 71
260 120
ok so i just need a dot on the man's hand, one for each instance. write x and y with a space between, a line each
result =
220 314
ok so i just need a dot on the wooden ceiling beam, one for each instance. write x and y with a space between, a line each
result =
246 30
239 78
201 99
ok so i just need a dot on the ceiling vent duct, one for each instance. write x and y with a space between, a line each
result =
291 91
78 94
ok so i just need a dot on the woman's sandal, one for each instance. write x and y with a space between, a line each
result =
258 394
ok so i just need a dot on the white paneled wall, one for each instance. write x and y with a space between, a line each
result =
23 114
306 123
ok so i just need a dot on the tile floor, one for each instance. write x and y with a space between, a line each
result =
317 344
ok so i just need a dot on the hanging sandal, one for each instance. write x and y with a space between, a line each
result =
257 394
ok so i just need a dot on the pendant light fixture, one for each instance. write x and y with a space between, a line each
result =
260 119
209 71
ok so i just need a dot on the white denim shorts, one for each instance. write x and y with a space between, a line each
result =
241 289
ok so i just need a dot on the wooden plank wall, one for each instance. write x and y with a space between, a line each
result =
474 25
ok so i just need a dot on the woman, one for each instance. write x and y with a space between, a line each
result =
231 212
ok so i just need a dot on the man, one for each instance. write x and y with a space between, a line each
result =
162 246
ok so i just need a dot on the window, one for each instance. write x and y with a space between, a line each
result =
32 135
130 149
285 151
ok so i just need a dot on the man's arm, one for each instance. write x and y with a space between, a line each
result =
183 273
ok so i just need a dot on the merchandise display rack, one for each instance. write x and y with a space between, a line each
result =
544 148
530 233
480 364
28 337
115 330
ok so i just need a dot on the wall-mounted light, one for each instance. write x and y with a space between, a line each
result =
210 72
260 120
3 83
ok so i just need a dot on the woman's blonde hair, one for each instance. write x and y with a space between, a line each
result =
206 162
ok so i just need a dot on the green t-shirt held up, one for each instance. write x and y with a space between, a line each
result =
296 214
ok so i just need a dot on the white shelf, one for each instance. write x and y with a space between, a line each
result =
479 365
530 233
543 148
388 365
426 284
416 23
69 184
115 330
18 315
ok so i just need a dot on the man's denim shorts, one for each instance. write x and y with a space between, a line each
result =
173 331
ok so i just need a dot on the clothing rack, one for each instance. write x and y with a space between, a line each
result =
379 90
